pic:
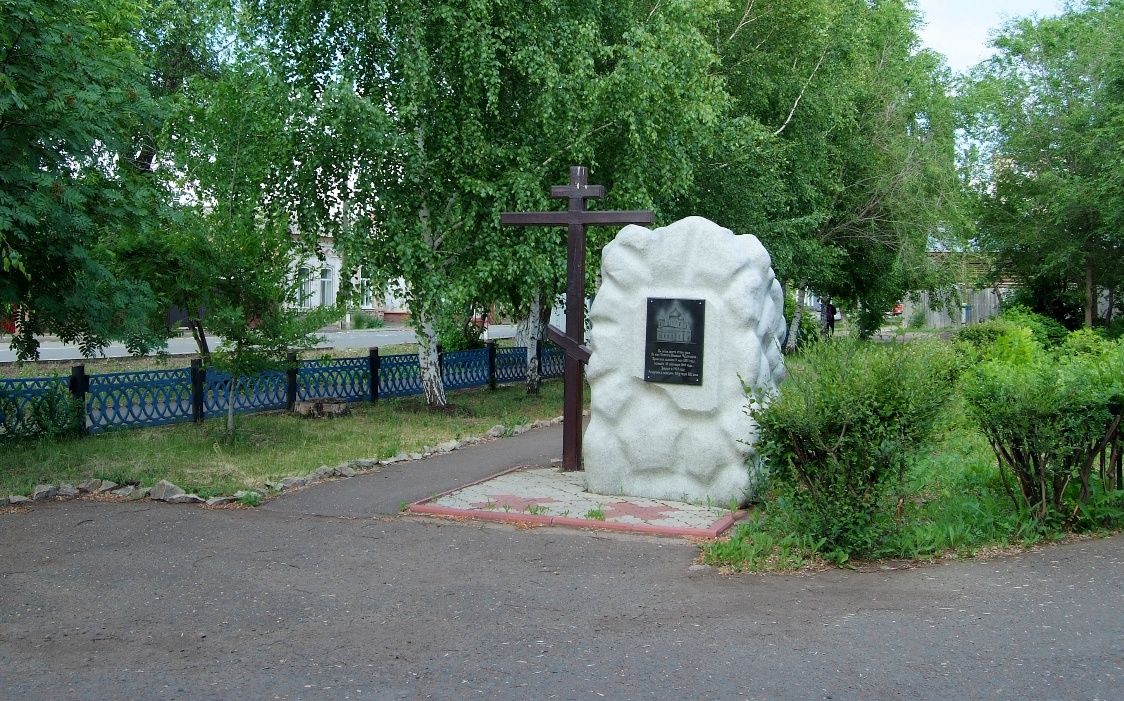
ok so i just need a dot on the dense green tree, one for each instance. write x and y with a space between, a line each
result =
230 149
417 122
839 150
72 86
1046 118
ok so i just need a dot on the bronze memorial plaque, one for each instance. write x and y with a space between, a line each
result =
673 349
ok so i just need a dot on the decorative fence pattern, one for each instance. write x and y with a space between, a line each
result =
26 404
265 391
343 378
157 397
149 398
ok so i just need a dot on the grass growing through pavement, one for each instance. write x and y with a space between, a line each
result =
267 446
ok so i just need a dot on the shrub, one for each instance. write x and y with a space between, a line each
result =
1048 332
844 426
917 319
1049 419
54 413
364 320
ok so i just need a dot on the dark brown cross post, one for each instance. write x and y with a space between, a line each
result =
572 341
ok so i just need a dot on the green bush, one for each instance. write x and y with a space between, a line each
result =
1114 329
1048 332
365 320
917 319
1048 419
982 335
54 413
840 433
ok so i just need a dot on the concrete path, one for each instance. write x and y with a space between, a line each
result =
385 492
150 601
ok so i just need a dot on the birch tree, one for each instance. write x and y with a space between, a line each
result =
427 118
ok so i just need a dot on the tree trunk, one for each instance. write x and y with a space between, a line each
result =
1111 304
530 332
794 325
1090 296
230 407
429 362
200 337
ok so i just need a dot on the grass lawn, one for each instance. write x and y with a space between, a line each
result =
200 459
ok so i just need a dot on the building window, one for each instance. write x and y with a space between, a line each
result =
366 294
327 286
308 287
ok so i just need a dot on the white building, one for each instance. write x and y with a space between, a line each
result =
320 286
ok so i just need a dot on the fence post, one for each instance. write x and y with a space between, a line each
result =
79 386
374 362
291 386
198 387
491 364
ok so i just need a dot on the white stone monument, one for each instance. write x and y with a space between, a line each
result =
684 316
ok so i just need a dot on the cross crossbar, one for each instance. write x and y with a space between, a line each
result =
575 219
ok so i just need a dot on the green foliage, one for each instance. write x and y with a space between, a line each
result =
250 498
54 413
981 336
72 89
1047 332
837 150
1114 329
363 320
1048 419
595 513
437 115
810 329
458 327
1044 120
844 427
917 319
761 545
1085 342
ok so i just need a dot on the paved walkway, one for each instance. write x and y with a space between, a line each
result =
152 601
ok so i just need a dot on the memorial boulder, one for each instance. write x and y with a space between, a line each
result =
686 317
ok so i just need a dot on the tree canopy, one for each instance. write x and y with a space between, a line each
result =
839 148
1046 118
73 88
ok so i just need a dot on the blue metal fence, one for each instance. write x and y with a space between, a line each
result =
466 368
341 378
20 398
553 361
511 364
129 399
265 391
156 397
399 376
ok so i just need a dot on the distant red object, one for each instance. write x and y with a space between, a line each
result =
897 310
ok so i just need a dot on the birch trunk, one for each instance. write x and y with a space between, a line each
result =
794 325
429 362
530 332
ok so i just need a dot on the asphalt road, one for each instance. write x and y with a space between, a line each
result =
54 350
148 601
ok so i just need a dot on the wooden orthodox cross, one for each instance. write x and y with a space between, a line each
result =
572 340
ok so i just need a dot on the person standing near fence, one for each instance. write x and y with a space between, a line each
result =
827 316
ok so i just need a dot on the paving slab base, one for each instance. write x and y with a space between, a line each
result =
547 496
